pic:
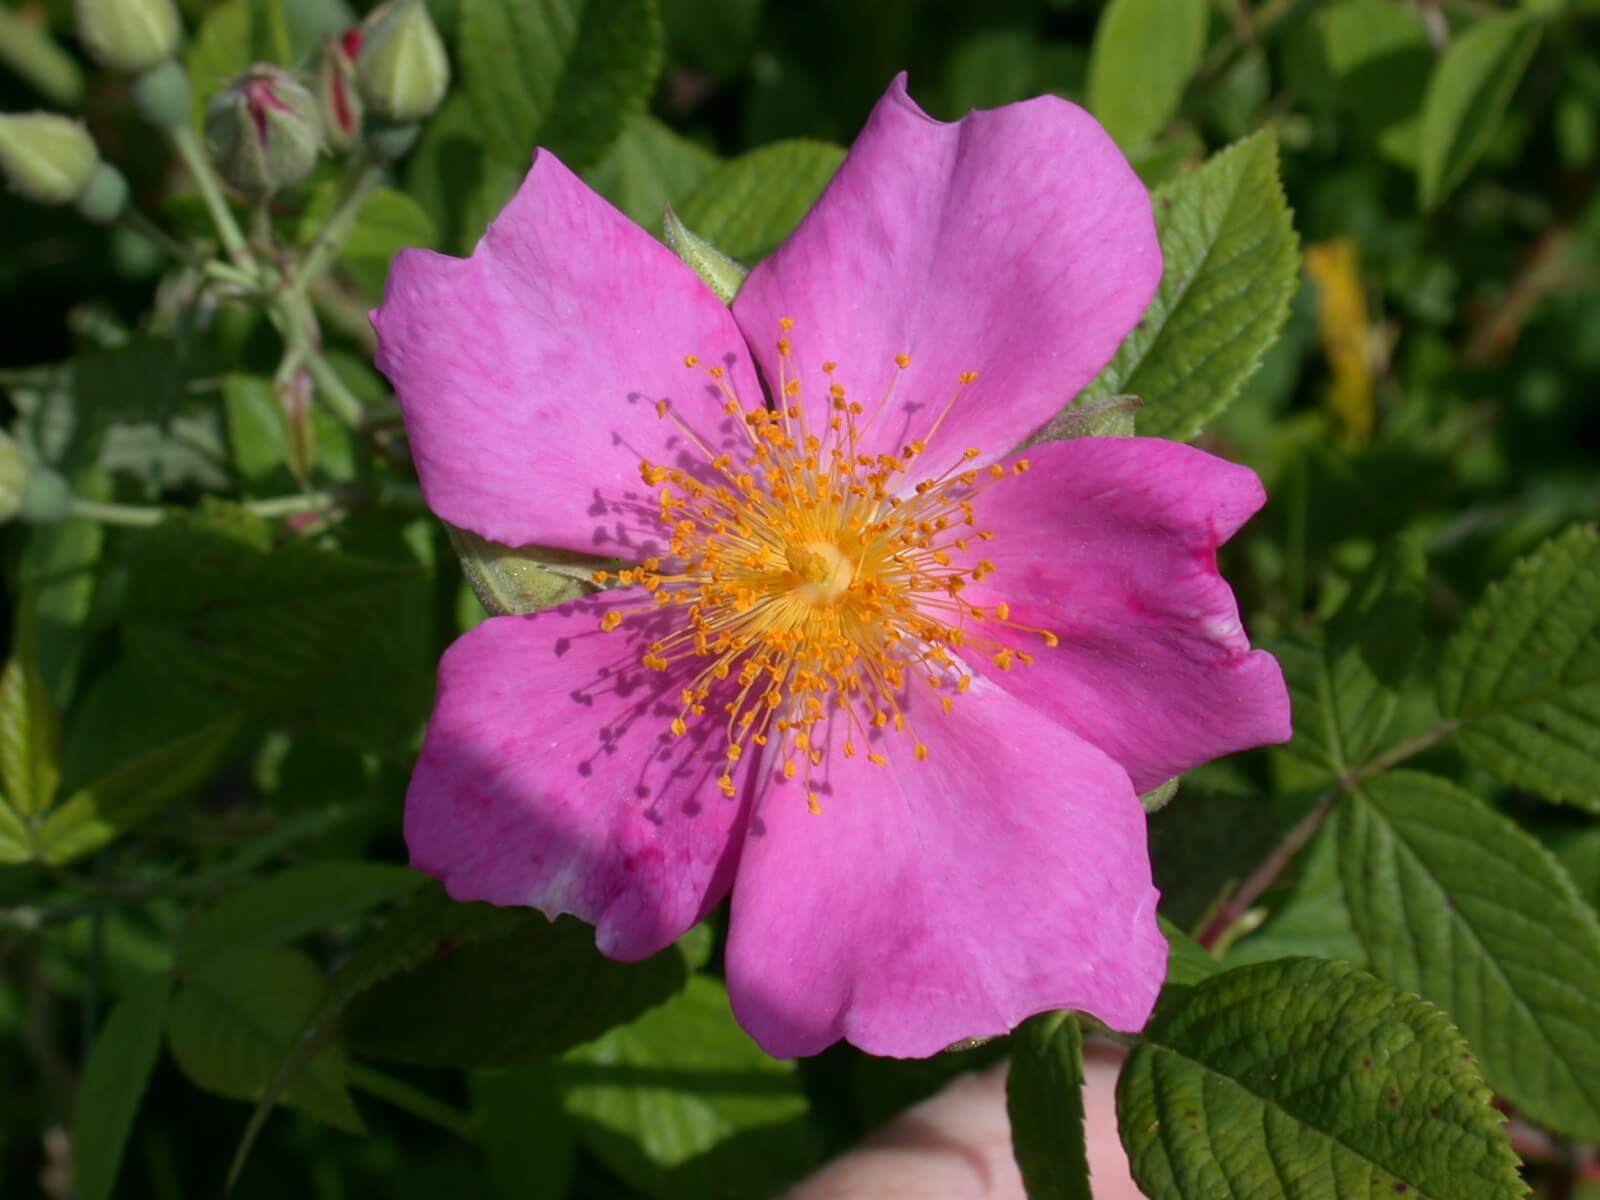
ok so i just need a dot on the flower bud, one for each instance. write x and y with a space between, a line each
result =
338 99
402 69
49 159
163 96
263 131
129 35
106 196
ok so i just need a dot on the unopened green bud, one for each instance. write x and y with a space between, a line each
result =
129 35
13 477
263 131
338 98
163 96
402 70
48 158
104 200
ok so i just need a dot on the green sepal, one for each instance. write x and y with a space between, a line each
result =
721 274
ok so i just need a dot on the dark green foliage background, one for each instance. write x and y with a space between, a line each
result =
211 893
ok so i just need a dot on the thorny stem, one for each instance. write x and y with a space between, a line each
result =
187 144
1268 870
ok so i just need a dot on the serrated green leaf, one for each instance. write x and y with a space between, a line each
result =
132 793
1188 962
751 203
562 74
389 221
218 613
1341 709
682 1103
16 839
1455 902
492 1004
1579 853
1313 919
58 570
419 928
30 726
648 168
1044 1099
1342 675
114 1077
1382 615
1231 267
427 922
526 1140
292 904
1467 98
1312 1080
1145 52
1523 673
234 1019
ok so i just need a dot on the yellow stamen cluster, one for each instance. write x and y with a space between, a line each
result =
811 573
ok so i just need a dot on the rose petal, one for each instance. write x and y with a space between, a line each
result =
1111 544
951 898
529 372
549 778
1016 242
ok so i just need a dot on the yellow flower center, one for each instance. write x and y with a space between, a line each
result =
815 575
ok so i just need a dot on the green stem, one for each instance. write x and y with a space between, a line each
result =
261 224
291 311
341 222
136 221
412 1100
143 516
1267 872
331 387
237 276
1396 755
187 144
344 311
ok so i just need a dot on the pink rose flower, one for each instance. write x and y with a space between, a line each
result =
871 673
